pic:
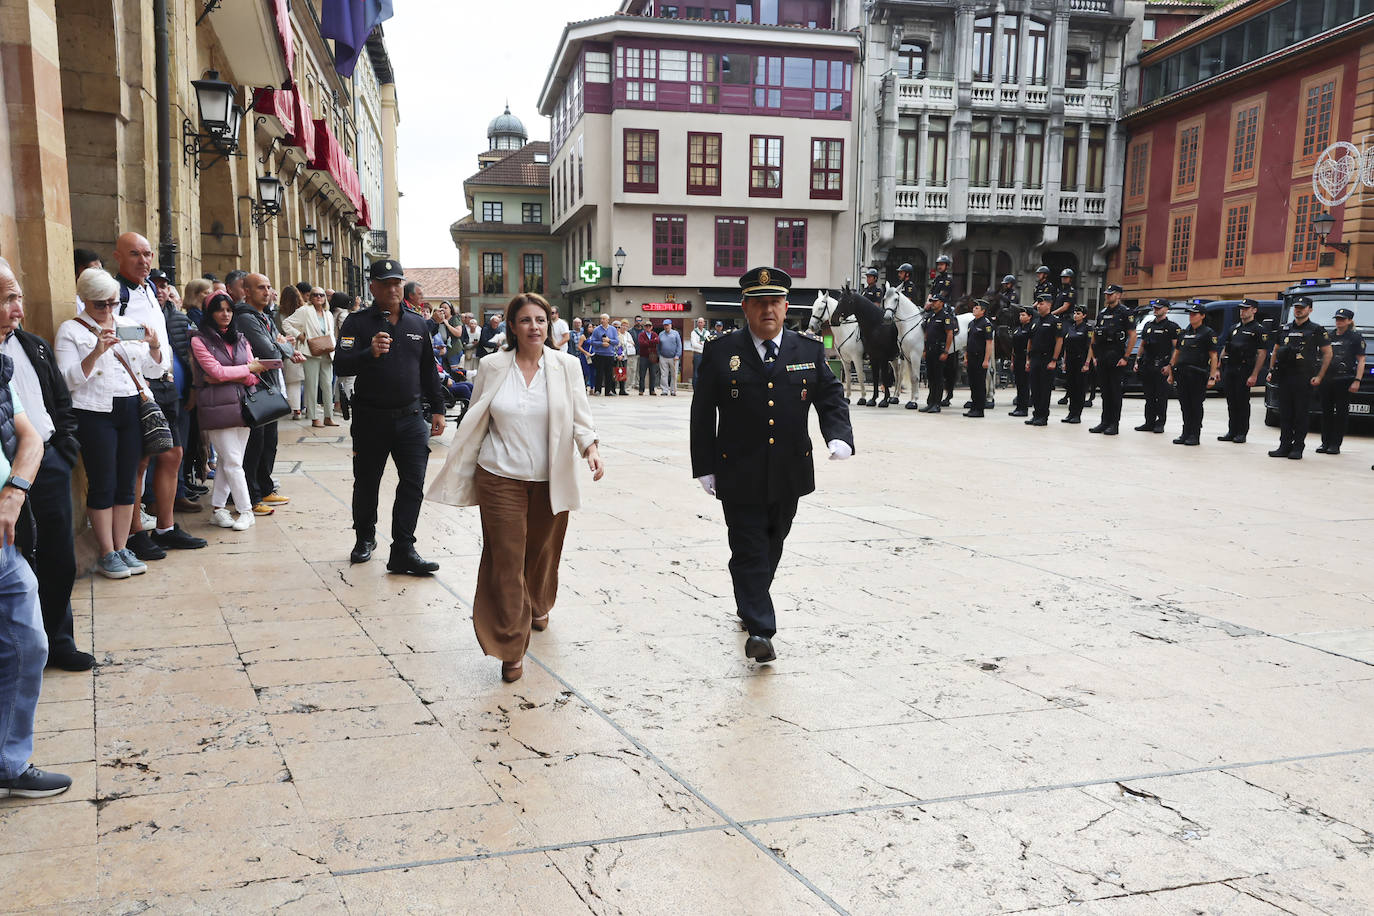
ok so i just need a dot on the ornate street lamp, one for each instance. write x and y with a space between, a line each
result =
1322 224
326 249
268 203
619 265
1133 260
220 117
310 236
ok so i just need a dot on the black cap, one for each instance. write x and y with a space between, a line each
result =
156 274
764 281
1345 313
1249 304
1113 288
386 269
1303 302
982 304
1159 303
936 296
1081 308
1044 297
1197 308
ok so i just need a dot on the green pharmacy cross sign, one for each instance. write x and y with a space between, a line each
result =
590 272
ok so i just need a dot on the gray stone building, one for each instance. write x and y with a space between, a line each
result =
989 134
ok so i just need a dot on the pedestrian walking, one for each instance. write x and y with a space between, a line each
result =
1193 368
397 407
1157 341
750 443
1342 380
1298 365
514 457
1042 356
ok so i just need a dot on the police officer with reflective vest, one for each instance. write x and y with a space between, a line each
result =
1113 337
1020 340
1043 283
1193 368
939 328
397 406
1343 380
905 285
1156 352
872 291
978 357
1298 365
1243 349
1065 295
943 282
1042 356
1076 361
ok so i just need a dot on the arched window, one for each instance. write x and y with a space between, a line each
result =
911 60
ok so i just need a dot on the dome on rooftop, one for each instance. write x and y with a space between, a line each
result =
506 131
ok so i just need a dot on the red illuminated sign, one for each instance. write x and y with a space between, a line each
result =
665 306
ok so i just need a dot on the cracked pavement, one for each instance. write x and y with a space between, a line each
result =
1020 670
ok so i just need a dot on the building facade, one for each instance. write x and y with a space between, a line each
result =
990 136
98 137
690 143
1253 121
505 245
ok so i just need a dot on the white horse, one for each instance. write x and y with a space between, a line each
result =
911 336
848 345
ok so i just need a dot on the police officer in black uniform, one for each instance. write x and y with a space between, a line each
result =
1042 355
1343 380
942 282
939 328
397 406
1043 283
1076 347
1020 340
905 284
1113 337
978 357
1157 340
1298 365
1243 349
1193 368
872 291
750 444
1007 294
1065 295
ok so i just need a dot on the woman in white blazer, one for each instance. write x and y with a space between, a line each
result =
515 458
315 320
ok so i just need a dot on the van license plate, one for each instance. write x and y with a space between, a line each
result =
1359 408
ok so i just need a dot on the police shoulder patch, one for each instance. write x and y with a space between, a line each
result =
345 343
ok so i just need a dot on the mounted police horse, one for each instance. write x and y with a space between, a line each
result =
910 320
879 335
848 344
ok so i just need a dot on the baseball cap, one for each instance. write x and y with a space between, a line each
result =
157 274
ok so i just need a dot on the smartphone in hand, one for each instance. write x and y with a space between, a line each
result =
270 363
129 332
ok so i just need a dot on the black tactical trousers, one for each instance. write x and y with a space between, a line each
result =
1295 400
935 377
378 435
1042 386
1111 378
1335 395
1233 379
1192 391
1156 395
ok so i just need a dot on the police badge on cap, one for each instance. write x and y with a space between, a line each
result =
1113 288
385 269
764 281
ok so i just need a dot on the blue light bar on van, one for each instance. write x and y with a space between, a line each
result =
1199 301
1310 281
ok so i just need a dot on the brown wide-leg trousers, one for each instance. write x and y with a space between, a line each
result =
517 580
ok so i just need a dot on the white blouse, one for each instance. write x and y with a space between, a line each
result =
108 380
517 441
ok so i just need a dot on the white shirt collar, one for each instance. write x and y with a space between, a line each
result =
758 342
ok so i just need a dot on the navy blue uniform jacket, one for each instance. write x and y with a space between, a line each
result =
734 400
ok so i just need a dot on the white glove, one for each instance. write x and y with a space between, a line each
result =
839 450
708 483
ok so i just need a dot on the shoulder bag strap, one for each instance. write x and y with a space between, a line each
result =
138 384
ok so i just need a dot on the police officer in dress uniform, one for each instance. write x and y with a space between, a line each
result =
750 444
872 291
1243 348
1076 360
1020 339
1157 340
905 284
978 356
1343 380
1298 365
1042 355
397 406
1043 283
1065 295
939 328
1193 368
1113 337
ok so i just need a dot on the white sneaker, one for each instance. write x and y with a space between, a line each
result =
244 521
222 518
148 522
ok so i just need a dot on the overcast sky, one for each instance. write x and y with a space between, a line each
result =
456 64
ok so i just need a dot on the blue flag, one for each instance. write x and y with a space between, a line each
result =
349 23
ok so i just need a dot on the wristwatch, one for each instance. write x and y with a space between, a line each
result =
19 484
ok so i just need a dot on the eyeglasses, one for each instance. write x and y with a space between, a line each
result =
101 304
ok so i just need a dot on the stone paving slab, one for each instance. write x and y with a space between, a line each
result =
1021 670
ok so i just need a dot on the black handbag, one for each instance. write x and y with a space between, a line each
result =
157 434
263 404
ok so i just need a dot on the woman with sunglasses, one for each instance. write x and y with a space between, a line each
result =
99 353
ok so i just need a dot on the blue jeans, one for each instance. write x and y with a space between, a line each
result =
23 653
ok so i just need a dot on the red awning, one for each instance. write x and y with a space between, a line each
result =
281 13
365 215
304 135
329 156
278 104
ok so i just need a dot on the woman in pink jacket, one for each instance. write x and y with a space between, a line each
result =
224 368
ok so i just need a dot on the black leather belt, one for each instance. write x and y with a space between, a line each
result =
390 413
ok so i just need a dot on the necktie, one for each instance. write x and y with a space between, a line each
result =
770 352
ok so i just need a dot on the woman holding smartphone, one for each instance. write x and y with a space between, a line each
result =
100 355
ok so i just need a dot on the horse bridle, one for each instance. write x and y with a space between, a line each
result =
893 316
831 306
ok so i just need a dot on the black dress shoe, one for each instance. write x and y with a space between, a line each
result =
945 402
931 408
1071 420
1321 450
143 547
1295 456
1159 427
1192 440
1111 431
759 648
1145 428
1279 453
362 550
410 563
176 539
1063 400
968 404
973 413
71 660
1237 439
1226 438
1038 422
1180 440
912 405
1019 413
1096 429
1332 451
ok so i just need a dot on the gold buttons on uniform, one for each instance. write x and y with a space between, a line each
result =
770 440
770 421
770 403
770 384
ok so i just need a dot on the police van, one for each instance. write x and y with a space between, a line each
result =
1327 296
